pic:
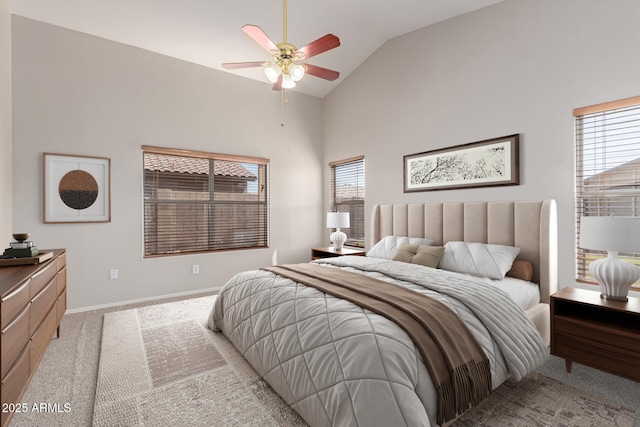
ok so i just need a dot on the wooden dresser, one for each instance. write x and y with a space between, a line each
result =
33 301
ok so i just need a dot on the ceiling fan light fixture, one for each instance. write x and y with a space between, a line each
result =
297 72
283 70
273 72
287 81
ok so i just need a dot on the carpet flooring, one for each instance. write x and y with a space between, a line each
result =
228 390
161 366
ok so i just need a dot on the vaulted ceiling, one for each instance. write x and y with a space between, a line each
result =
208 32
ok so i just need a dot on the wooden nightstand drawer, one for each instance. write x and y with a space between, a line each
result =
597 333
606 357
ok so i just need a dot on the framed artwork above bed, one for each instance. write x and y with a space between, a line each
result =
493 162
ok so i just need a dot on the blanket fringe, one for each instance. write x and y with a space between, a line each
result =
455 400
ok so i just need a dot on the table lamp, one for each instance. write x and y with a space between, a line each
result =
612 234
338 220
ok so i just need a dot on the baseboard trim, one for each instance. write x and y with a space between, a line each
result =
137 301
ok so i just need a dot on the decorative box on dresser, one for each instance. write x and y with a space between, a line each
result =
596 332
33 301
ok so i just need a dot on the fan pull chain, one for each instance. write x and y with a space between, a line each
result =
284 101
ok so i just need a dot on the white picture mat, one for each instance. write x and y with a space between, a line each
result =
55 168
471 155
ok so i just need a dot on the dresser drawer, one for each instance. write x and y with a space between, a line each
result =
61 305
61 261
42 278
61 280
40 340
15 337
13 382
13 303
41 305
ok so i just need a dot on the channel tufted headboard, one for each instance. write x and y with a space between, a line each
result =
528 225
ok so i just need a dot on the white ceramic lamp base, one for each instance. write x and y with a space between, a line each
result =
615 276
338 238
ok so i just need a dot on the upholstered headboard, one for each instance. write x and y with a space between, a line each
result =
528 225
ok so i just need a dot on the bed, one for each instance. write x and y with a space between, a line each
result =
337 363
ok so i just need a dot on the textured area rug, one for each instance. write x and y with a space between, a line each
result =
541 401
160 366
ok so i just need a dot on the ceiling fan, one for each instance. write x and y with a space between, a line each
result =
285 68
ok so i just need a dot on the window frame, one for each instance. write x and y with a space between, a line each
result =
610 194
357 229
209 203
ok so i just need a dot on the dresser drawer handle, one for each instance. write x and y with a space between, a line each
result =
15 319
34 275
16 292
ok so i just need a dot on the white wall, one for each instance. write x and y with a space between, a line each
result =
5 123
78 94
520 66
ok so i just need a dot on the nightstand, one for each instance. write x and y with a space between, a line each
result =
331 252
595 332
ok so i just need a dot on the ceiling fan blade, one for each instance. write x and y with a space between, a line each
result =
323 73
232 65
278 84
323 44
260 37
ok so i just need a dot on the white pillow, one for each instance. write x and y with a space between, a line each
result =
478 259
387 247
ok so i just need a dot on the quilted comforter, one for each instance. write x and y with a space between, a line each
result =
338 364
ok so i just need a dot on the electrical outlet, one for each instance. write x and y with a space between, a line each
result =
195 269
113 274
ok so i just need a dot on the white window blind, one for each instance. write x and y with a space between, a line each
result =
607 169
199 202
347 195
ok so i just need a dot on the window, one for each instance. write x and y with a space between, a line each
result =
347 195
198 202
607 169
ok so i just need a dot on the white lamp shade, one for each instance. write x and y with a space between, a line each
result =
338 220
272 72
610 233
287 81
297 72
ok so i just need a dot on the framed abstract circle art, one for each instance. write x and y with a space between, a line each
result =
76 188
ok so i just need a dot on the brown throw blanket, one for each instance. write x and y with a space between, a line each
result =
458 366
